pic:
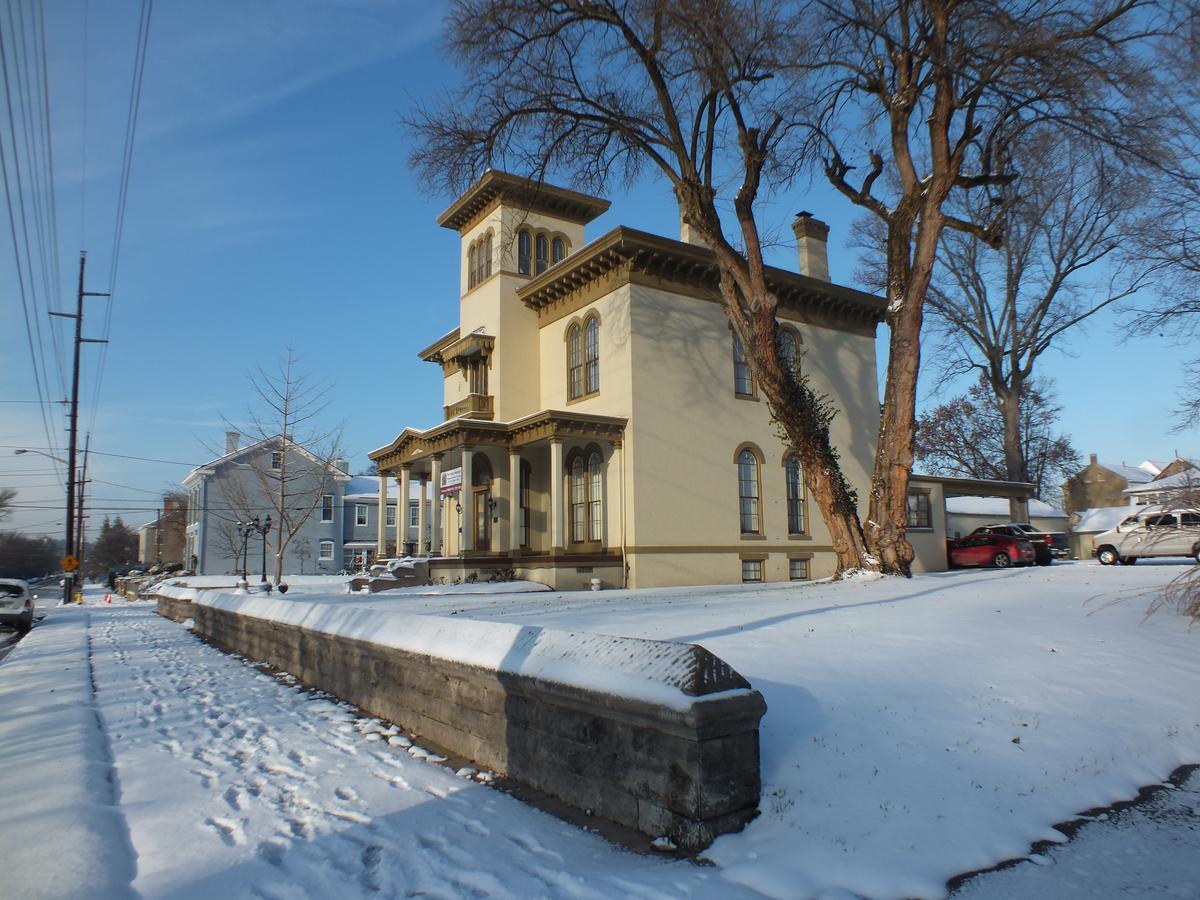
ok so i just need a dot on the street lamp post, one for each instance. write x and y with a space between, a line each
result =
245 529
263 529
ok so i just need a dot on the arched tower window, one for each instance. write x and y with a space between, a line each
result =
487 256
524 252
471 266
543 253
789 351
558 250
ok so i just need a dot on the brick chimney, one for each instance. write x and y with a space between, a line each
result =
812 236
232 440
1092 458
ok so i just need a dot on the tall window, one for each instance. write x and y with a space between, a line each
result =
587 497
919 513
471 266
414 514
523 517
360 514
487 256
743 381
789 352
592 356
524 252
543 253
558 250
795 495
748 491
575 361
391 517
327 507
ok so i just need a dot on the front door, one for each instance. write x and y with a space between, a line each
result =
483 519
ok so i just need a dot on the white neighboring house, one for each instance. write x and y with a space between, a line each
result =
360 531
229 490
965 514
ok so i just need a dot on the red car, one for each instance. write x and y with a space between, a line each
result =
999 550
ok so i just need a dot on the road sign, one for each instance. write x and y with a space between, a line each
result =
70 563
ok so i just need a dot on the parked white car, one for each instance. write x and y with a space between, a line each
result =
16 604
1150 533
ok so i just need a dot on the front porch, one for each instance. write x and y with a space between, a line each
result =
540 498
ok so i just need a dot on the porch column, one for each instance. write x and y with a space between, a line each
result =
556 494
466 520
402 508
422 518
514 501
435 527
381 524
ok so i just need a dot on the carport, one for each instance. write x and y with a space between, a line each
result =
927 512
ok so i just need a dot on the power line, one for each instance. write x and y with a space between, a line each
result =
135 102
172 462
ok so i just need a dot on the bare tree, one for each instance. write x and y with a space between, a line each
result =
967 435
726 99
233 508
297 466
1169 236
1062 259
919 104
7 495
700 93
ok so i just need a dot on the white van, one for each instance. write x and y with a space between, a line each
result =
1152 533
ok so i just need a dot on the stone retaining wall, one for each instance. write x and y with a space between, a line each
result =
691 773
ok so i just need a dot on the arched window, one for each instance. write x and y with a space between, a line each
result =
795 495
743 380
471 267
789 351
543 253
587 497
591 356
575 361
524 252
558 250
748 493
487 256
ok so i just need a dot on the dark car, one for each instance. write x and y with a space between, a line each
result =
999 550
1042 550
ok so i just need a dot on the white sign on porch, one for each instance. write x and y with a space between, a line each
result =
452 481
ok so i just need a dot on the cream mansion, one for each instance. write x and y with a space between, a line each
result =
600 420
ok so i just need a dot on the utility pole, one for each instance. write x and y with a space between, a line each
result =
69 590
80 543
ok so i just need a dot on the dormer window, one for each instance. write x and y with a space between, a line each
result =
276 459
524 252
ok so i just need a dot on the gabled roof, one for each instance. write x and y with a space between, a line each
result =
1132 474
271 443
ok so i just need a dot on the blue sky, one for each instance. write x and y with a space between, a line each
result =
270 205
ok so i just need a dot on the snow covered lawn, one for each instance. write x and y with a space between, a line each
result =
915 730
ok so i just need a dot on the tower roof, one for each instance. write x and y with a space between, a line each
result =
525 192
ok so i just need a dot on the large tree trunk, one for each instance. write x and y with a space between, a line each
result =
908 280
798 412
1015 467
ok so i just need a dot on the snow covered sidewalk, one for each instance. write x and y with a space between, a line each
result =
60 826
234 784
